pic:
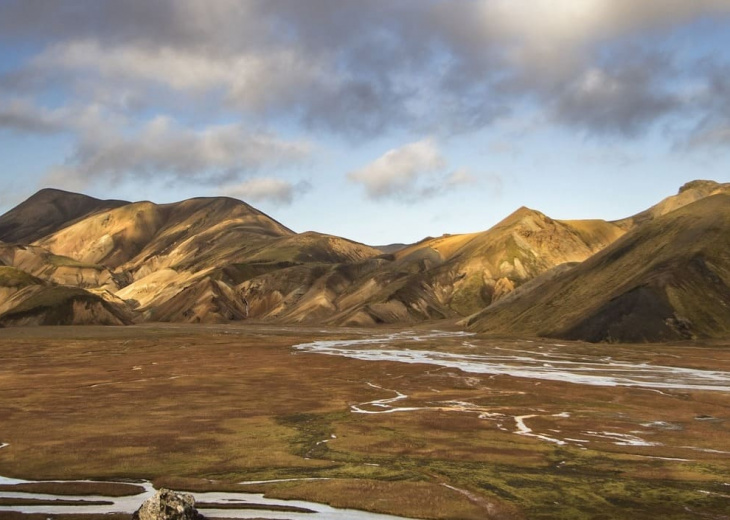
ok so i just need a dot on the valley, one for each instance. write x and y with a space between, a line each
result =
413 422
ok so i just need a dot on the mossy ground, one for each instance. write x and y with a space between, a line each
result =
12 277
208 407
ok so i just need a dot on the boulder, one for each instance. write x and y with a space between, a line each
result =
168 505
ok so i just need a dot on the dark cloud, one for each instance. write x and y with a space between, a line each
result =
215 155
624 97
24 117
712 129
358 68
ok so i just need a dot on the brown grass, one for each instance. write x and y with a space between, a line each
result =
203 408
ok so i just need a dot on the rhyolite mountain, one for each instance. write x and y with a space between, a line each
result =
218 259
667 279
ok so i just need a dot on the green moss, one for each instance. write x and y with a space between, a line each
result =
240 273
65 261
53 298
12 277
470 295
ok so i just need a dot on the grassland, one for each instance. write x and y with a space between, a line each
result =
208 407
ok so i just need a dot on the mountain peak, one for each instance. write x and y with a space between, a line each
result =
46 211
700 184
521 213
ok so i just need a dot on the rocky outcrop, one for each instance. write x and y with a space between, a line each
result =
168 505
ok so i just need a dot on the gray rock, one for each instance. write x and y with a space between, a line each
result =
168 505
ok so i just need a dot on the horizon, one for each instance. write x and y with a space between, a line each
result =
378 122
373 244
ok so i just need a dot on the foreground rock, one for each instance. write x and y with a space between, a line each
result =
168 505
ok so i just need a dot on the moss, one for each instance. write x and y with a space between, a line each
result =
12 277
65 261
242 272
469 295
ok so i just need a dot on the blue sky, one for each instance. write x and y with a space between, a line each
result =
380 121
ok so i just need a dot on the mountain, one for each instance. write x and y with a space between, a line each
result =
27 300
217 259
688 193
461 274
668 279
48 211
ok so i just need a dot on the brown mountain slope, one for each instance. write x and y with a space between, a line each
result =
48 211
668 279
27 300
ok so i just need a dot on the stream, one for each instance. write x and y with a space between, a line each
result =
546 362
278 509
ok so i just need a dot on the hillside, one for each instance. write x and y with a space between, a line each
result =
455 275
218 259
48 211
668 279
27 300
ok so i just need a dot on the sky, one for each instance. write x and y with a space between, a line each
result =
381 121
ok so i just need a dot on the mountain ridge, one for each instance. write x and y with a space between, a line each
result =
218 259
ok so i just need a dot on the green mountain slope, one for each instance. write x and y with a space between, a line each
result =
668 279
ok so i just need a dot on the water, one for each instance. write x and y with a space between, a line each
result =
129 504
551 364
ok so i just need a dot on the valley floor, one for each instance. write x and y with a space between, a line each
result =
413 423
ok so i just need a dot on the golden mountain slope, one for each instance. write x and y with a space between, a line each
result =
667 279
167 235
60 270
48 211
459 274
219 259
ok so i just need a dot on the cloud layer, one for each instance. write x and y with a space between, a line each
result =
194 89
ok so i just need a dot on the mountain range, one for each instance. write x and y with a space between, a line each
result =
660 275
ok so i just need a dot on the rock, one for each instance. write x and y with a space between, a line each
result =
168 505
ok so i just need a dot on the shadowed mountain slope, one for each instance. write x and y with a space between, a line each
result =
27 300
48 211
668 279
688 193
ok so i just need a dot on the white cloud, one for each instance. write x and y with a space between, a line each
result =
21 115
413 172
269 189
460 177
396 173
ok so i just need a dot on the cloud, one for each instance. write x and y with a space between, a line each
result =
623 99
460 177
163 148
263 189
22 116
397 172
361 69
712 129
413 172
